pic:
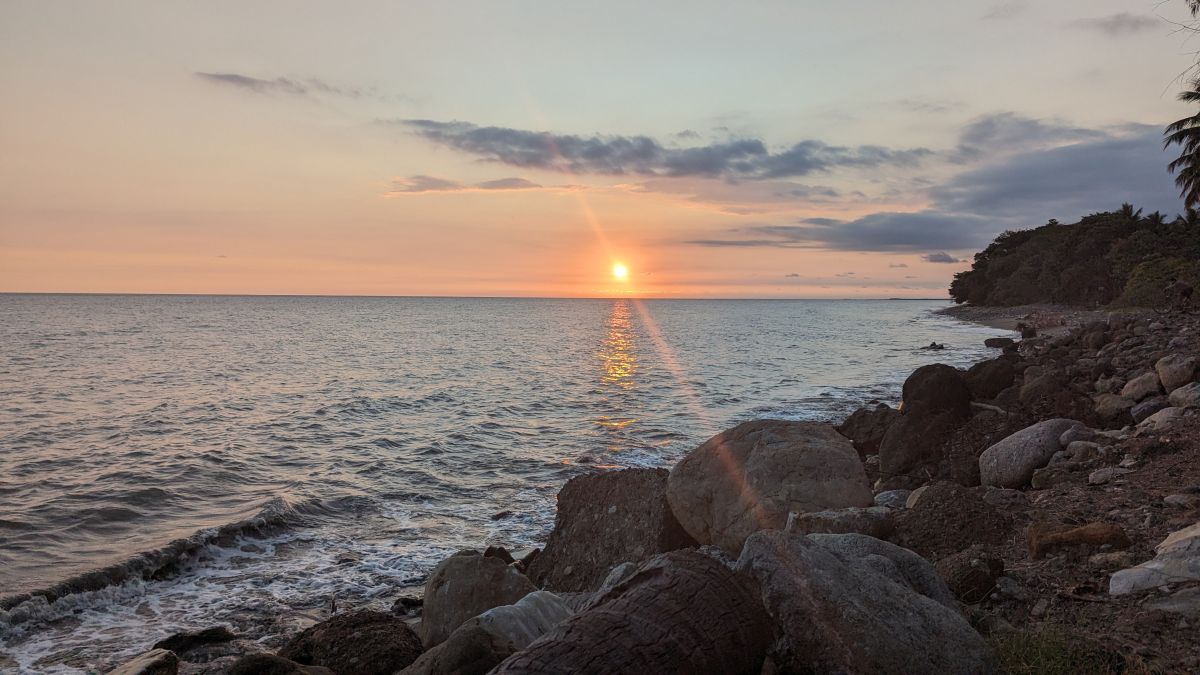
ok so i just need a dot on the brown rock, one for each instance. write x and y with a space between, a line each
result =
356 643
605 519
464 586
1043 537
866 427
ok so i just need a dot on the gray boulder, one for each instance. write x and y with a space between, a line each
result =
1175 370
1142 386
857 614
1176 560
481 643
750 477
465 586
679 612
1147 408
605 519
1011 462
1187 396
1161 420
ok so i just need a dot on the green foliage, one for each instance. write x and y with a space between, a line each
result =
1048 651
1089 263
1147 280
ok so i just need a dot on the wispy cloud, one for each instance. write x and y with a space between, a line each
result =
283 85
939 257
1006 10
426 184
734 159
1120 24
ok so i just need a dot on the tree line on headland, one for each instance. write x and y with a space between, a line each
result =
1119 258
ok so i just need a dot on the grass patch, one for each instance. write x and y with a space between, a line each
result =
1050 651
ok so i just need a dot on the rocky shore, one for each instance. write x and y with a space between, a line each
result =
1038 512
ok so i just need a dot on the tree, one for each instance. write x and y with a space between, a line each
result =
1186 134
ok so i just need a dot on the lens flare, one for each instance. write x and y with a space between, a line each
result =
620 272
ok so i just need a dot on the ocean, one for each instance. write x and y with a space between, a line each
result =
176 462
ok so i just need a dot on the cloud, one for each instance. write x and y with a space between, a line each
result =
793 275
424 184
281 85
1006 10
939 257
734 159
898 265
1119 25
1008 132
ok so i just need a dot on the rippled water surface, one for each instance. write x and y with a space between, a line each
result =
298 449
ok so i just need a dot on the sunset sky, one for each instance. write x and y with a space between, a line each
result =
718 149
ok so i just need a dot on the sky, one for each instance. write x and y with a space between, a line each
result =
758 149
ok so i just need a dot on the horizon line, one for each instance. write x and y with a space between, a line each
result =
448 297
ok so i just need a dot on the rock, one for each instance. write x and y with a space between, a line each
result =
1113 410
1078 432
937 388
949 518
358 643
499 552
1175 370
1185 602
1011 462
1187 396
750 477
1005 499
1182 501
988 378
465 586
1111 559
998 342
153 662
1161 420
605 519
1177 560
893 499
482 642
185 642
865 428
895 562
680 612
915 438
269 664
971 574
875 521
1102 476
1147 408
915 496
1142 386
1042 538
1084 451
850 614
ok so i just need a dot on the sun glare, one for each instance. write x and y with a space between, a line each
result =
620 272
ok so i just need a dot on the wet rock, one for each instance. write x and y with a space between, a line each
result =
949 518
465 586
269 664
893 499
1102 476
1011 462
1175 370
680 612
865 428
1142 386
181 643
875 521
482 642
1187 396
499 552
988 378
847 613
750 477
406 606
1043 538
998 342
1147 408
971 574
356 643
153 662
605 519
501 515
1176 559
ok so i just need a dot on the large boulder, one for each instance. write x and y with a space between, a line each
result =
605 519
1175 370
269 664
987 379
356 643
481 643
935 401
1142 386
679 612
866 427
750 477
1187 396
1176 560
838 612
464 586
1011 462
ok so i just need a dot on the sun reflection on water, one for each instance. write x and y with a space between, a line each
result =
618 355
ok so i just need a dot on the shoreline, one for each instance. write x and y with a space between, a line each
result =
1049 319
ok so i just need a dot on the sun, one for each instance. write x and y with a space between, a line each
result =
620 271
